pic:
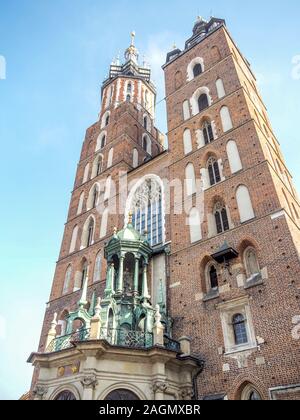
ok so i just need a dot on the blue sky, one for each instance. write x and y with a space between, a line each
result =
57 54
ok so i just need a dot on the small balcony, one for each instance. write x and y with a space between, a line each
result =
115 337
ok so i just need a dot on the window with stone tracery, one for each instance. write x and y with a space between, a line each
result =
147 211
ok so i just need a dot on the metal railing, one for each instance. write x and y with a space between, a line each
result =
66 341
124 338
115 337
171 344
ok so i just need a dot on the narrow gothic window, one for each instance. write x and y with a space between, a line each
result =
145 123
97 269
146 208
67 280
221 218
197 70
239 329
91 229
214 171
207 132
107 120
103 141
129 88
203 102
213 277
99 166
95 197
84 274
128 98
186 110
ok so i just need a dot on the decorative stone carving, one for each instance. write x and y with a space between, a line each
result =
187 393
39 392
160 386
90 382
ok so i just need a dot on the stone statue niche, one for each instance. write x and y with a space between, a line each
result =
129 267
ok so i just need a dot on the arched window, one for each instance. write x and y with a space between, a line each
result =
145 122
197 70
129 88
213 278
244 204
147 144
86 173
213 171
195 225
110 158
190 179
92 200
98 268
146 205
220 88
97 167
135 158
88 233
203 102
101 141
104 223
108 188
234 157
251 263
239 329
65 396
215 54
187 141
67 281
80 204
221 218
128 98
186 110
226 119
73 240
121 395
84 273
107 120
208 133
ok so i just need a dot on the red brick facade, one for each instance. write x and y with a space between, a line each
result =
273 233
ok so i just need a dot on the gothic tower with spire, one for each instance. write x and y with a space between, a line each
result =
178 275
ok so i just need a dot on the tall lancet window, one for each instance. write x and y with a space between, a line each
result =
147 211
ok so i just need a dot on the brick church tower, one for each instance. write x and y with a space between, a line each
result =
178 275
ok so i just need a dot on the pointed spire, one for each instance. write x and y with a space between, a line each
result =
98 308
132 54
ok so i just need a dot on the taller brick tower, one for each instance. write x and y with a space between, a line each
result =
235 273
178 275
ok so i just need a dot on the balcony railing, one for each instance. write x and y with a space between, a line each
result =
171 344
115 337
